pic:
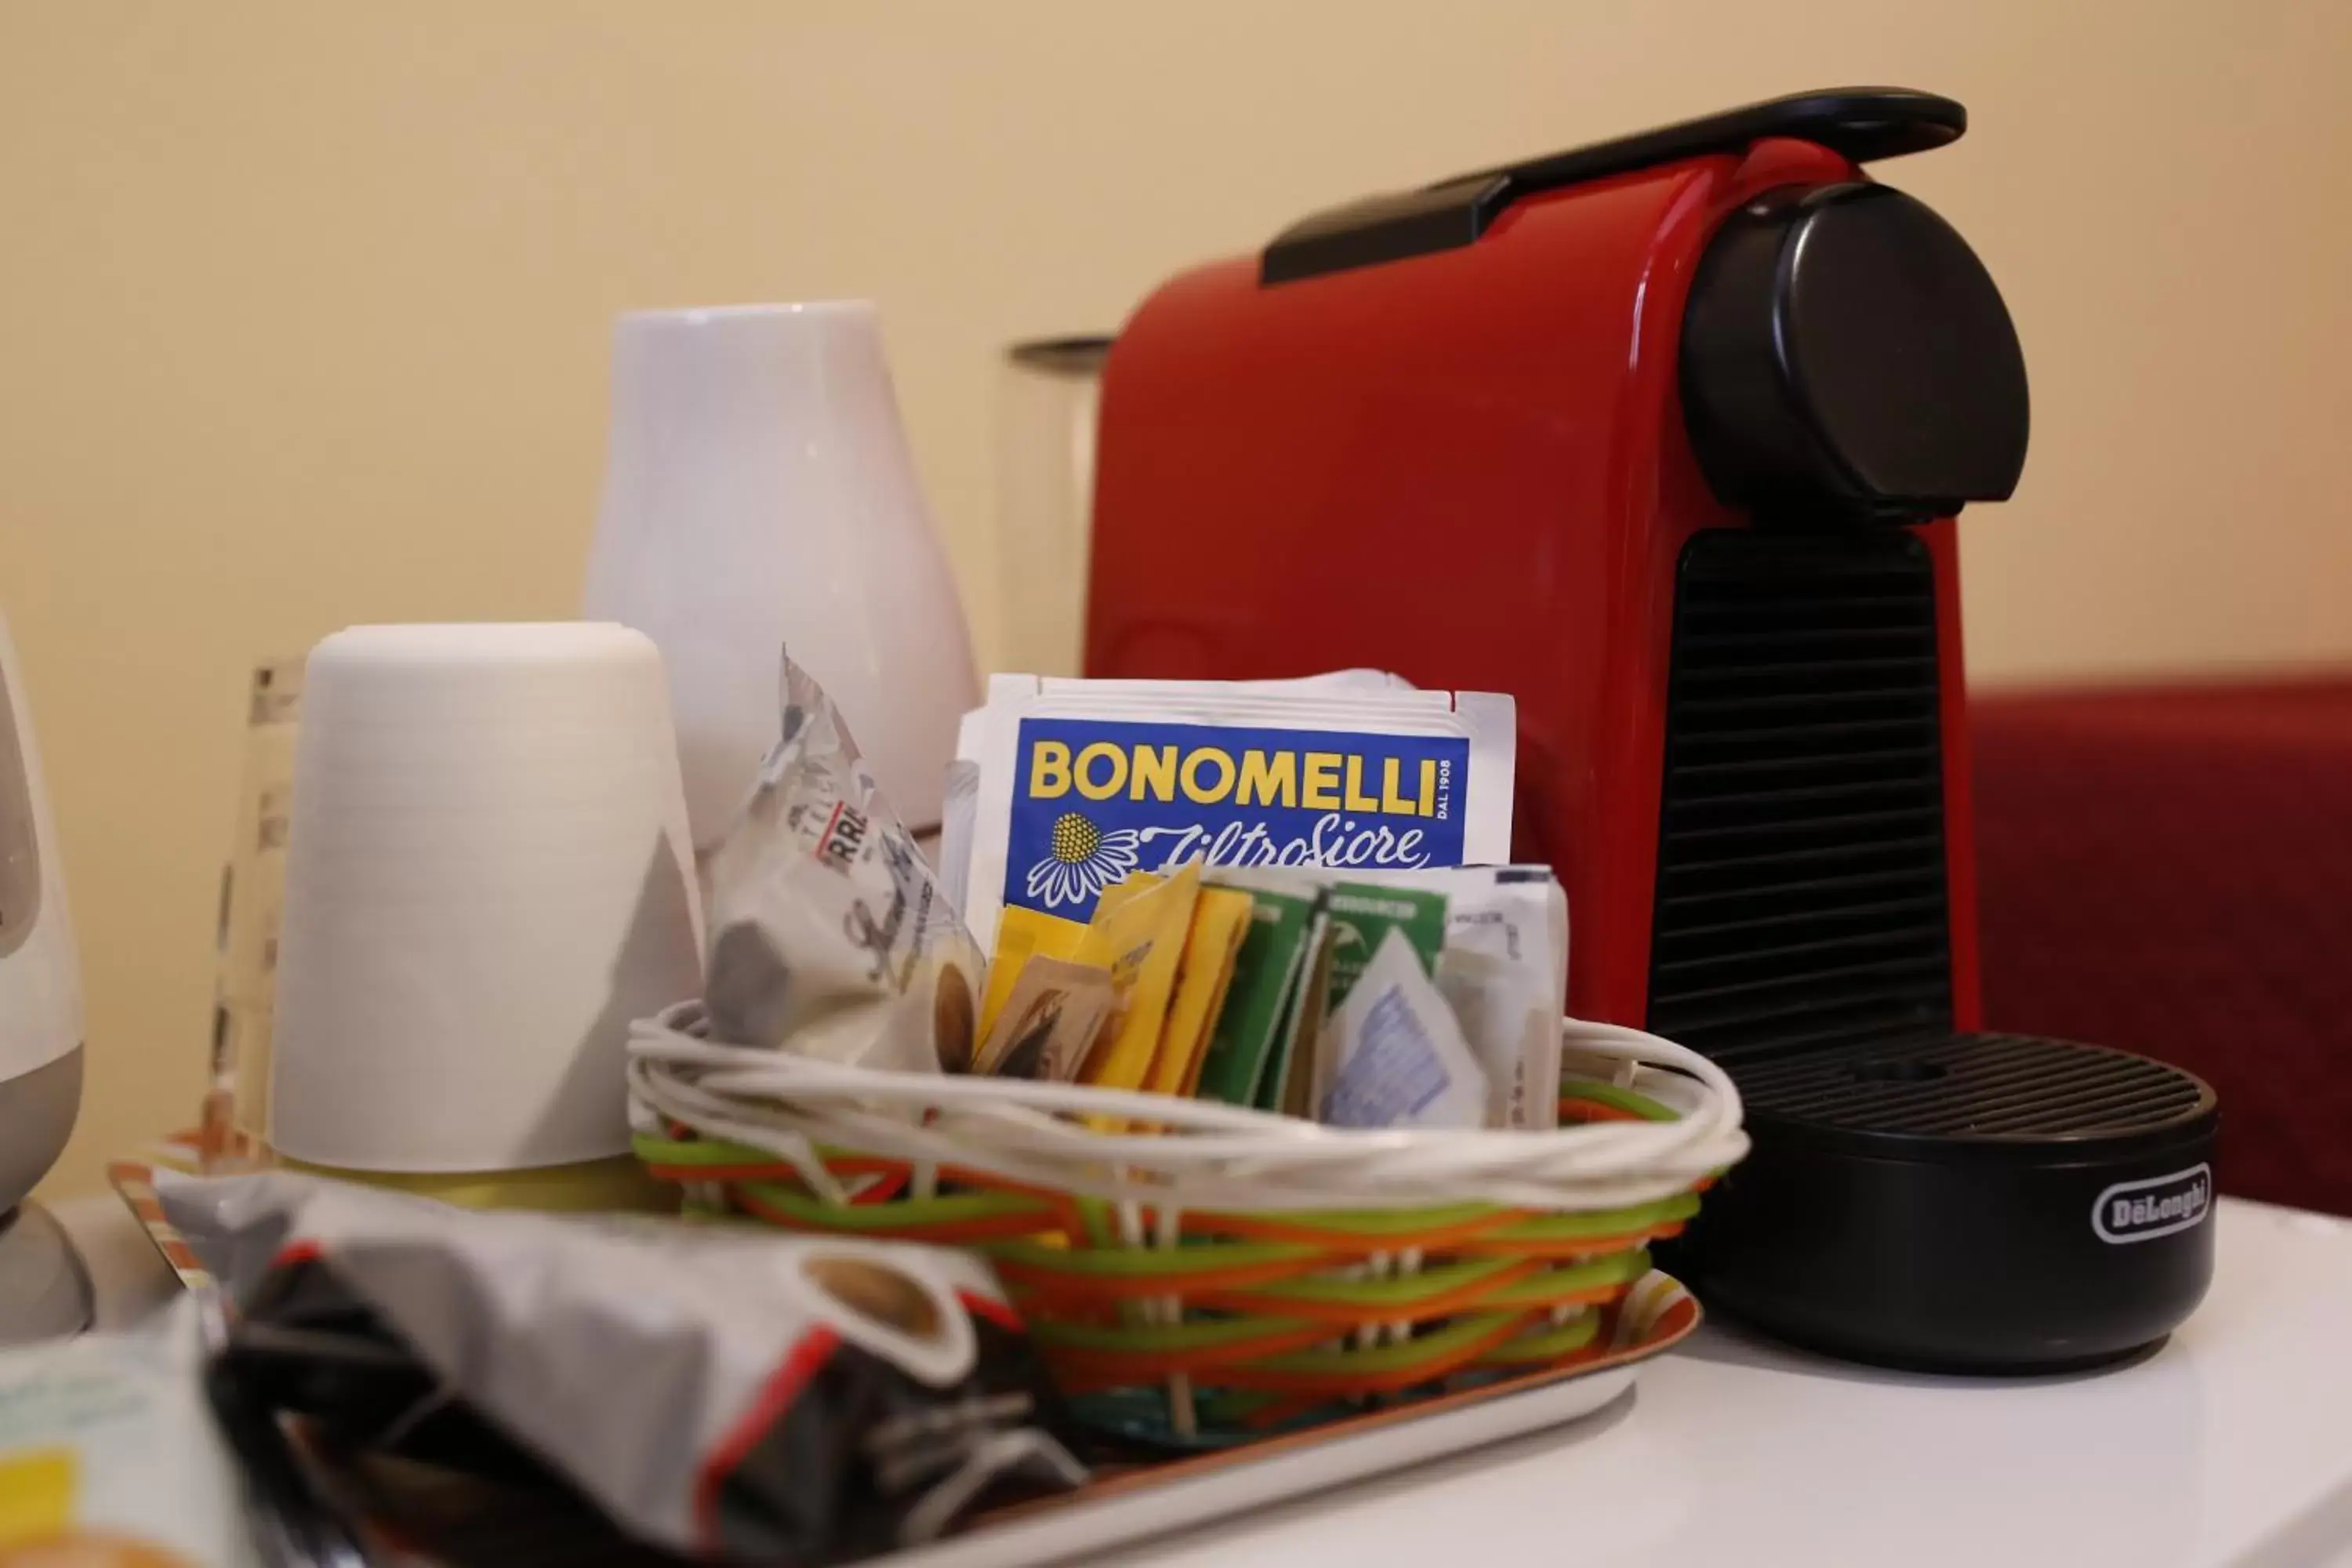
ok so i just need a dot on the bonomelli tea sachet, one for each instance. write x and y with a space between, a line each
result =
1082 782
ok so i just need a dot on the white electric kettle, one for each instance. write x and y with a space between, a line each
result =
42 1291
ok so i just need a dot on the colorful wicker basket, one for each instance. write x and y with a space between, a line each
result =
1230 1273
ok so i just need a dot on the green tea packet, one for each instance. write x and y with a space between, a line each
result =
1260 998
1286 1081
1362 915
1290 1085
1309 941
1398 1056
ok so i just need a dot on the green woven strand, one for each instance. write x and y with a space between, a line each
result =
1549 1344
1094 1214
655 1151
900 1214
1174 1266
1610 1222
1407 1355
1592 1274
1399 1290
1363 1222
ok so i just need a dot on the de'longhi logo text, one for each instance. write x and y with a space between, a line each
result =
2157 1205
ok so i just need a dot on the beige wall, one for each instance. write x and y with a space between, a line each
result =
304 307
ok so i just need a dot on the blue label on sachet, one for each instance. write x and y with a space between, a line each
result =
1095 799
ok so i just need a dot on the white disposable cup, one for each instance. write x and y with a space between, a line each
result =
489 875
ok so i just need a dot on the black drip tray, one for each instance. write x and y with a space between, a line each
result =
1964 1202
2012 1092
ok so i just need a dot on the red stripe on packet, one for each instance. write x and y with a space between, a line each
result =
995 1311
296 1253
831 822
809 1354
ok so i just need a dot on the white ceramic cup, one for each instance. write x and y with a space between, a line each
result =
489 875
759 492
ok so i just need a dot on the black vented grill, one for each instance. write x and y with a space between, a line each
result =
1975 1086
1801 897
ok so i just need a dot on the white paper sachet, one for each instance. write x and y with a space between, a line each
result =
1504 971
1083 782
1490 1000
830 935
1401 1059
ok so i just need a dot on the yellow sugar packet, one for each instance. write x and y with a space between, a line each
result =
1120 891
1221 917
1140 938
1022 935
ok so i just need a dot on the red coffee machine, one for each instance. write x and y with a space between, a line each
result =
1665 436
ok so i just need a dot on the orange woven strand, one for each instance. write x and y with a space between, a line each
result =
1353 1314
1072 1224
1452 1305
1285 1409
1087 1287
1249 1227
1593 1111
1573 1246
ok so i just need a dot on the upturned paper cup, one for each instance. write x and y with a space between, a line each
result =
489 875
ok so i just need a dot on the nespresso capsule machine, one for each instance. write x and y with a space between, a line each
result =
1666 436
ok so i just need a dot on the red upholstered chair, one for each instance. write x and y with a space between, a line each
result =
2170 871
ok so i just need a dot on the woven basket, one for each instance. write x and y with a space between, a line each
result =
1198 1273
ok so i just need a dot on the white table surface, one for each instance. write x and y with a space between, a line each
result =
2233 1444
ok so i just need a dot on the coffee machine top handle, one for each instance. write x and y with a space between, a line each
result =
1862 123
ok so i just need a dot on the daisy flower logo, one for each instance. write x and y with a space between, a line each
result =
1082 862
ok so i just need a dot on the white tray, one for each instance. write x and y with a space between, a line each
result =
1127 1507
